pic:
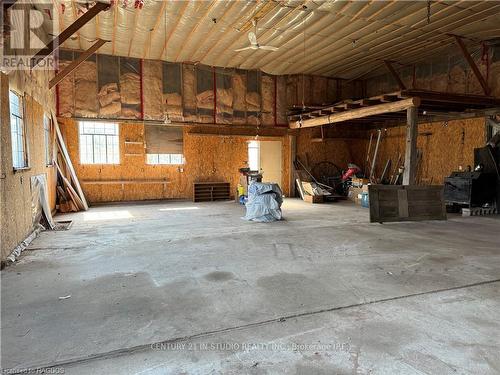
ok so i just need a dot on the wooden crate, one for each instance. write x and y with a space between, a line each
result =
406 203
211 191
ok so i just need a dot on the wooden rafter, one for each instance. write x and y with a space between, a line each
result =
472 65
167 39
395 74
66 34
230 27
187 39
216 25
262 36
134 30
389 38
75 63
392 46
161 15
115 23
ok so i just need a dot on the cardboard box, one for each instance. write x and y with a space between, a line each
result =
314 198
359 182
354 194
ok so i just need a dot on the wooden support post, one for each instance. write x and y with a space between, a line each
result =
395 75
292 142
74 64
473 65
378 109
410 170
66 34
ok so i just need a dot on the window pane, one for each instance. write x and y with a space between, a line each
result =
164 158
176 158
19 157
99 143
152 158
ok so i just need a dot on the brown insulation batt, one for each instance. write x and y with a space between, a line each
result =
173 106
130 88
267 90
281 106
109 100
205 99
189 92
86 90
225 100
66 93
239 94
153 90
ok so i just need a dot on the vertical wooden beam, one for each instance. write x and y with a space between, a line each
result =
292 142
473 65
66 34
395 75
410 170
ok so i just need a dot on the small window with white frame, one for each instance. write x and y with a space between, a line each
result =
168 159
18 132
47 131
99 143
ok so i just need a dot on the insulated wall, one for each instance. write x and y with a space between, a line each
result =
113 87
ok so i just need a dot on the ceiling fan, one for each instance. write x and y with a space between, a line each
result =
252 37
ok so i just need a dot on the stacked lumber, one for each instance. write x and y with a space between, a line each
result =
69 192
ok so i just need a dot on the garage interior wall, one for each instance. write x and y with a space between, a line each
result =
15 186
207 158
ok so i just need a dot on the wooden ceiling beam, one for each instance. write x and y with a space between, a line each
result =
395 74
161 14
472 65
66 34
167 39
192 32
358 113
75 63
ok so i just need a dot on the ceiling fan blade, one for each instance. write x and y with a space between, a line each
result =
268 48
243 49
252 38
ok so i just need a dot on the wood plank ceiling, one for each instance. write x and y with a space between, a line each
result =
344 39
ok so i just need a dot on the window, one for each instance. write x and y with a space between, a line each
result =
171 159
18 132
47 130
99 143
254 155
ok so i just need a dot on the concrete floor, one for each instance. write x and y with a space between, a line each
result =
178 287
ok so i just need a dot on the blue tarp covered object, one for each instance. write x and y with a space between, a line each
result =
264 202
